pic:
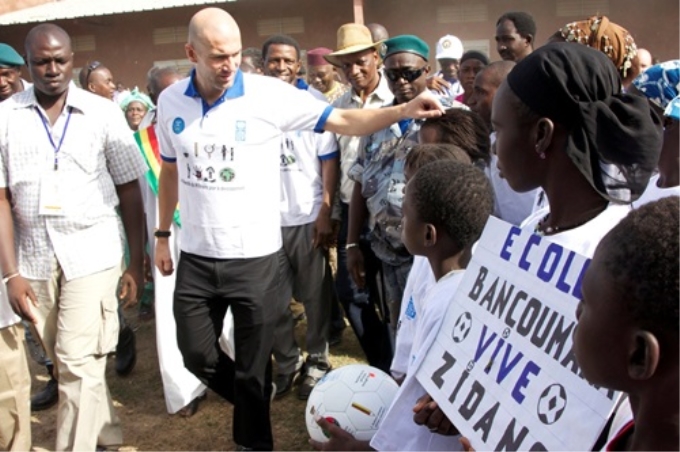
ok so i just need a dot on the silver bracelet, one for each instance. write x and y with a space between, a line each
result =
351 245
7 278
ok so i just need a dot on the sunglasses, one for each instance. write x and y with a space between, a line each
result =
90 68
407 74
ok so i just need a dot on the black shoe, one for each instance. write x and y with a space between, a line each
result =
126 351
46 398
311 378
284 383
192 406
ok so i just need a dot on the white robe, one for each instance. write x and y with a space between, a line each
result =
179 385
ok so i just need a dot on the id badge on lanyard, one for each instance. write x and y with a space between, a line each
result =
50 190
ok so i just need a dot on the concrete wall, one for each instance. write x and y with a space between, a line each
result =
653 23
125 42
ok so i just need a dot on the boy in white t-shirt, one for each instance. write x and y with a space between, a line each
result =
420 278
446 206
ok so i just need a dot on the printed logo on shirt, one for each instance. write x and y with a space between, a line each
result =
227 174
287 160
227 153
205 175
411 309
178 125
209 149
240 131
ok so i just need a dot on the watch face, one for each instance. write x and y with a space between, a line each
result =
162 234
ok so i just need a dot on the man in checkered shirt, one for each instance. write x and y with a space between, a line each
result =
68 164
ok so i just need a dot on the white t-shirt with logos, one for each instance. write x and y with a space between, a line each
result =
420 281
228 158
302 184
398 431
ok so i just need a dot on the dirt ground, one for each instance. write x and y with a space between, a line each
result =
146 423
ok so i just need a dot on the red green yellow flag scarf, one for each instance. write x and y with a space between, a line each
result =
148 145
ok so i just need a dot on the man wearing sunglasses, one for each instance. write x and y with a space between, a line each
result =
378 174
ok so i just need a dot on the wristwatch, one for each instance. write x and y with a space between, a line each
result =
161 234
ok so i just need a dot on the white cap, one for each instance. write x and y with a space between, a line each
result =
449 46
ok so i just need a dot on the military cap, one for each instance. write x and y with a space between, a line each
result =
9 57
406 43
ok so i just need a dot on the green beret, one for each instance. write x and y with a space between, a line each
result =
406 43
9 57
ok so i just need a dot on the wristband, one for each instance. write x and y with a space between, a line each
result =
351 245
6 279
161 234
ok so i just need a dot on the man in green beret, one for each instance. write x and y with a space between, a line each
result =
10 72
378 174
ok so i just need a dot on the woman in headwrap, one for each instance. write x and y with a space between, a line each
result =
609 38
563 124
135 104
660 84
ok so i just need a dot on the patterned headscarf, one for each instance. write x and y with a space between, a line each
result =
135 96
660 83
607 37
673 109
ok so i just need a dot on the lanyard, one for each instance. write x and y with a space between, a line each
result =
49 135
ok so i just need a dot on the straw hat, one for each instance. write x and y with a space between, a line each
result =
352 38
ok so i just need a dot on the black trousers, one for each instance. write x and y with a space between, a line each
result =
364 308
204 289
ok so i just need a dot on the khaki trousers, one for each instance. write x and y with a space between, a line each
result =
78 326
15 390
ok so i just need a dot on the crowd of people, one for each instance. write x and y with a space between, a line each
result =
375 165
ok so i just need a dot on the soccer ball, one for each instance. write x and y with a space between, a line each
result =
552 403
354 397
462 327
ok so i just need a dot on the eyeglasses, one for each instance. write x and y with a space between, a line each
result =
407 74
89 69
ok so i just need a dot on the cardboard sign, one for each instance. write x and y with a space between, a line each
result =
502 367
